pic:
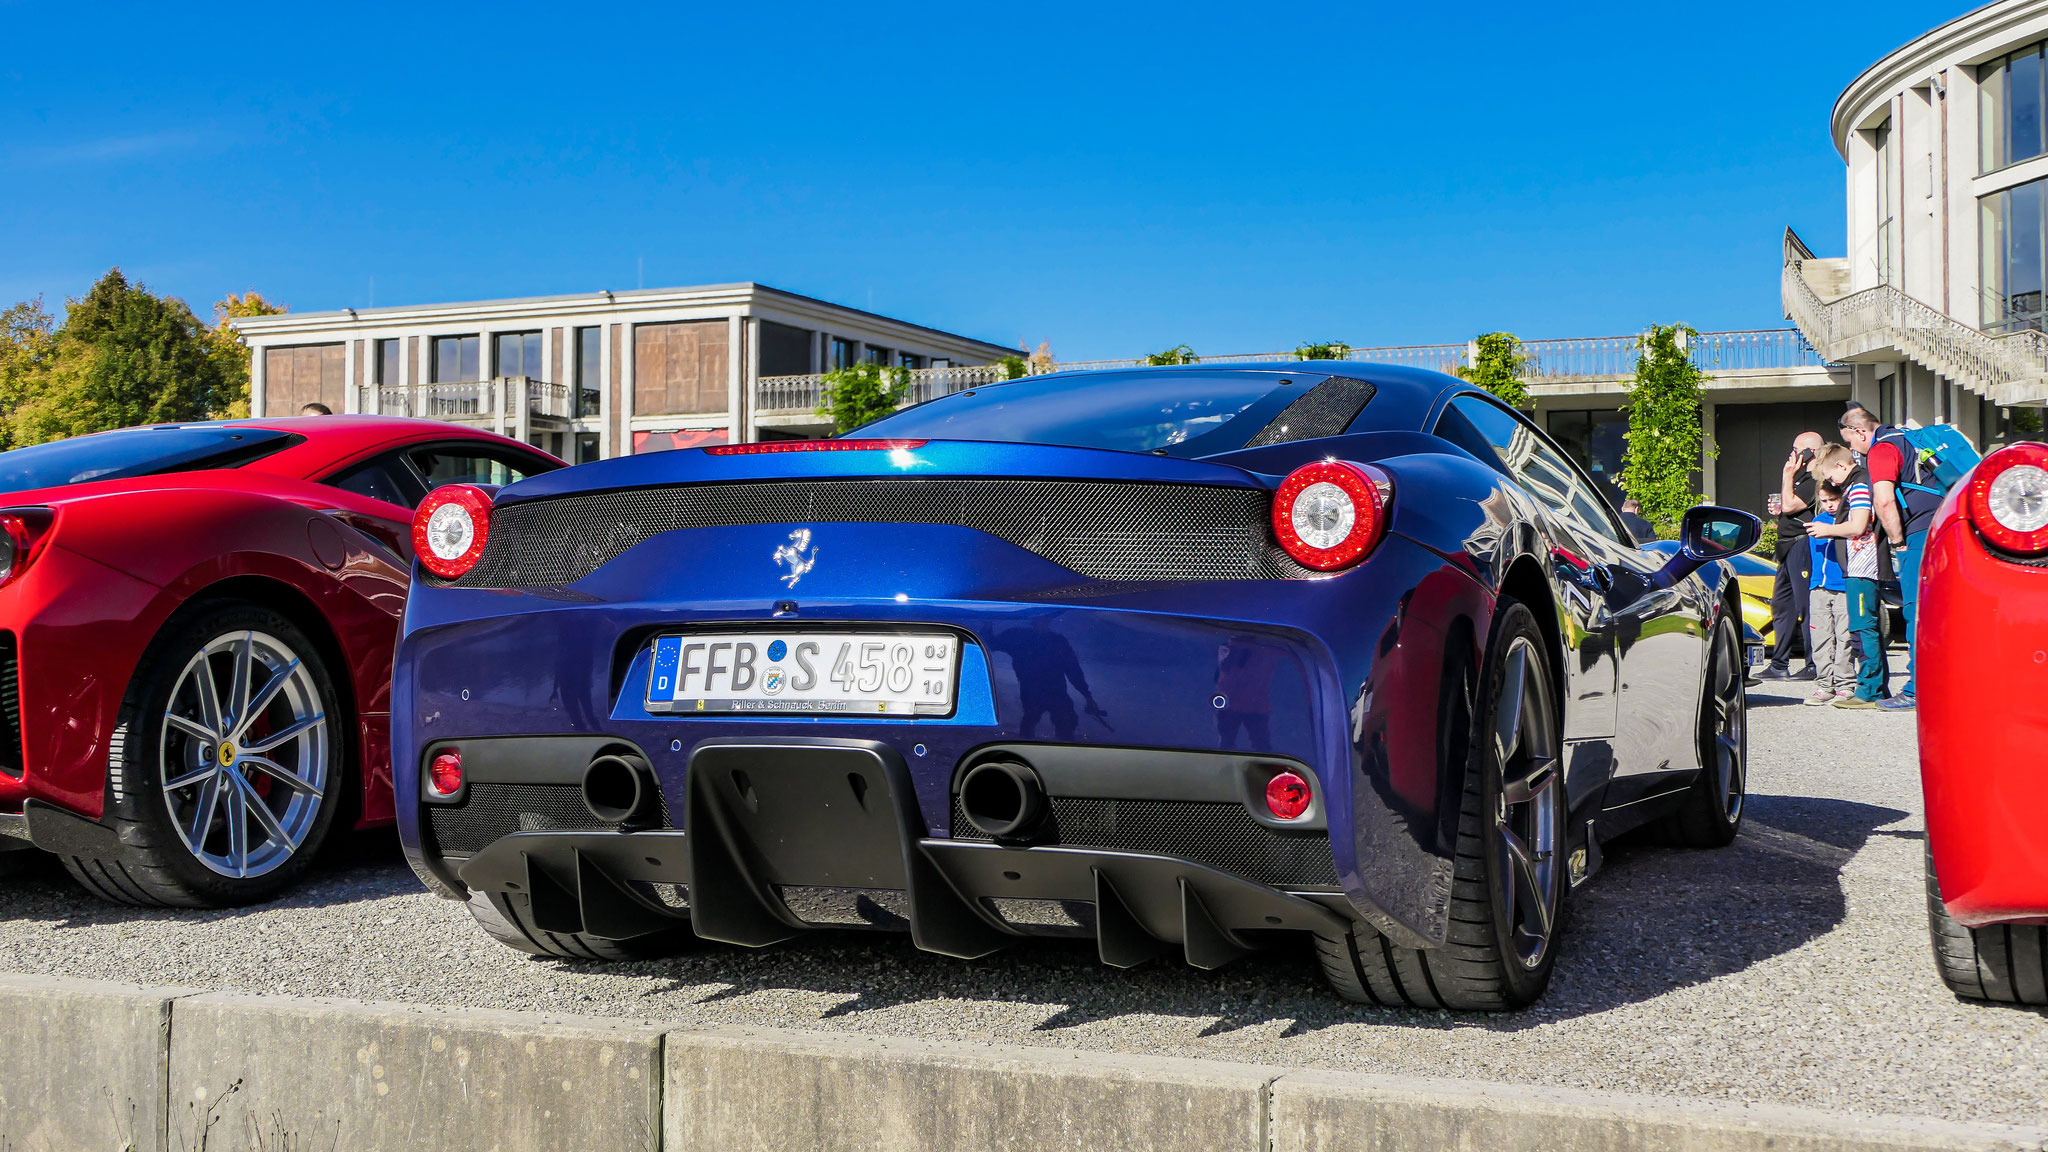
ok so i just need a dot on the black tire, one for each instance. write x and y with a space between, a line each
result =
2005 963
1711 813
1488 963
157 867
507 922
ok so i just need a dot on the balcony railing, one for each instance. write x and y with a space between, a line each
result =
479 400
801 395
1597 358
2010 368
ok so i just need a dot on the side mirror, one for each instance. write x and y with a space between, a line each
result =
1709 533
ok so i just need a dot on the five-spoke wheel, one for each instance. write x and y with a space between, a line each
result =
231 749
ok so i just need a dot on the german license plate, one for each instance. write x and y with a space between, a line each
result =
831 673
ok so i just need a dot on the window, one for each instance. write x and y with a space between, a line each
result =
911 361
1595 441
874 355
843 353
137 452
2012 261
1135 415
2009 104
1887 211
519 355
589 370
1517 449
384 478
450 464
385 363
786 351
586 448
455 359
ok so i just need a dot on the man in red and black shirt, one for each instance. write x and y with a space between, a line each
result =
1902 516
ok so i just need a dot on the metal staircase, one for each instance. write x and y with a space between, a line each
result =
2007 369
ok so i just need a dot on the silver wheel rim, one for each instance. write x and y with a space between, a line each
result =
244 754
1728 714
1527 817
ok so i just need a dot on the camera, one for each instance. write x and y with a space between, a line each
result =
1806 455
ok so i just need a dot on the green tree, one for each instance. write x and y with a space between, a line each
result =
1661 464
127 356
1014 367
228 351
1334 350
1498 367
1179 354
863 393
28 355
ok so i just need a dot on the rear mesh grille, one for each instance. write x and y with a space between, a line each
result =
490 812
1108 531
10 707
1220 835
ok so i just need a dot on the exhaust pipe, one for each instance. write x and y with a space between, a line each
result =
619 788
1004 799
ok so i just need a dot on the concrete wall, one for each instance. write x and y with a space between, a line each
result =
107 1066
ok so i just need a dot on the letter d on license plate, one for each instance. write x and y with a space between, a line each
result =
832 673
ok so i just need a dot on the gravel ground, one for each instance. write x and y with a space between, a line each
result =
1792 967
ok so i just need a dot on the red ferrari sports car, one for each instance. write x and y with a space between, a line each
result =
1983 715
196 624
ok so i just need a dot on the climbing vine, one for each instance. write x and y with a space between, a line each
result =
1497 367
1660 468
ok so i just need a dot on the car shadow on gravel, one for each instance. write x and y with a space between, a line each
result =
1656 920
360 866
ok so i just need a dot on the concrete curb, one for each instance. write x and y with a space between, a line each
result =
96 1065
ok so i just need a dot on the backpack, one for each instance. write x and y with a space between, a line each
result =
1934 459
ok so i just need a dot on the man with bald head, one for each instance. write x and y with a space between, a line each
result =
1789 593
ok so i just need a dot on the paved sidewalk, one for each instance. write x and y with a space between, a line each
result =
1791 968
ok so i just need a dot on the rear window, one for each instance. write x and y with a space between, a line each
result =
137 452
1136 413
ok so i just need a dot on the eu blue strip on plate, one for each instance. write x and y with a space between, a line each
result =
667 651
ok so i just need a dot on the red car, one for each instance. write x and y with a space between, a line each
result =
1982 682
196 624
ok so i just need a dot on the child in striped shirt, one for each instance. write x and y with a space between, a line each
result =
1836 466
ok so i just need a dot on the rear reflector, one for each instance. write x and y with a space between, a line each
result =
444 775
1287 795
771 447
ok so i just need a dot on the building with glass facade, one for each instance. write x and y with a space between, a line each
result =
1938 304
595 375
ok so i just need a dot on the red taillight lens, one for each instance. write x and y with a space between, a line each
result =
770 447
450 528
2007 499
22 531
1329 514
444 773
1288 795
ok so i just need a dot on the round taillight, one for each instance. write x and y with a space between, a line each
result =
450 528
1287 795
444 773
2007 499
1329 514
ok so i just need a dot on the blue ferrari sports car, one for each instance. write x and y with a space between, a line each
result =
1187 661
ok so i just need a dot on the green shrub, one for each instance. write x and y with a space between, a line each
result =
1334 350
1661 465
1179 354
1498 368
862 394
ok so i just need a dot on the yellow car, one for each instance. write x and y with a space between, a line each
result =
1755 576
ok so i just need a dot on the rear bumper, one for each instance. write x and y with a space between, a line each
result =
1982 695
787 836
1349 686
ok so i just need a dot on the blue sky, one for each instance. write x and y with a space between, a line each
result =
1113 179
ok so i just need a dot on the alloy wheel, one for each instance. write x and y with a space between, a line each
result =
1528 814
244 754
1728 716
